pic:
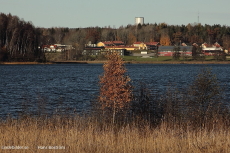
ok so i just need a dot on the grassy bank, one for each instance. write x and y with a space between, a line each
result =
87 135
169 59
132 60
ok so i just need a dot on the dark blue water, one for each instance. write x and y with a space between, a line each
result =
71 87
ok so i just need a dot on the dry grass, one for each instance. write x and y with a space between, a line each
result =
87 135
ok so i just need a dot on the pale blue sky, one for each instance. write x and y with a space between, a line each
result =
115 13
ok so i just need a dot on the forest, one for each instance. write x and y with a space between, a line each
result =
21 41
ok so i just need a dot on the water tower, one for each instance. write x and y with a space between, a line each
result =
139 20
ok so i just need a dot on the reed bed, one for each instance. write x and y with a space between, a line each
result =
87 135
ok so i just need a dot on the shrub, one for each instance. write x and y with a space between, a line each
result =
176 54
145 105
220 56
205 99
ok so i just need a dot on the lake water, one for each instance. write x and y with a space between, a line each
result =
71 87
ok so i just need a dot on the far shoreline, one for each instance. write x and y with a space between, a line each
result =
23 63
127 62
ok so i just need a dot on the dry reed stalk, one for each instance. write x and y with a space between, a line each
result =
82 135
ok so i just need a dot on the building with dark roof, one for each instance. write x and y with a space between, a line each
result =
152 45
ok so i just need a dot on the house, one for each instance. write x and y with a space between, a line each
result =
146 45
152 45
49 48
92 50
183 44
56 48
209 50
103 47
125 49
104 44
140 45
110 43
169 50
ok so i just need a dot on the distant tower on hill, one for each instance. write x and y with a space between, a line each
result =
139 20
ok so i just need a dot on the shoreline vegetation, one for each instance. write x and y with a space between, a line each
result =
127 62
132 60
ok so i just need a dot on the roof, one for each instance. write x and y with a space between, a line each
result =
138 42
117 42
109 47
48 46
112 42
216 45
209 45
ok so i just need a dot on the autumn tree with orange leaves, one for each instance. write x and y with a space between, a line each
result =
115 89
165 40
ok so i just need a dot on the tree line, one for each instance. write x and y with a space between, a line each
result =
20 40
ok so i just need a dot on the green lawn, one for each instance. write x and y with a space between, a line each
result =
165 58
139 58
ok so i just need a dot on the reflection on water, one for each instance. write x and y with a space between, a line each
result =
71 87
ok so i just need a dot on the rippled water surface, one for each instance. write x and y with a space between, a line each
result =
72 86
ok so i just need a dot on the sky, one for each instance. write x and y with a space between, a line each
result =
116 13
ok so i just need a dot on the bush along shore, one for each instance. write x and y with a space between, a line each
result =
124 119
